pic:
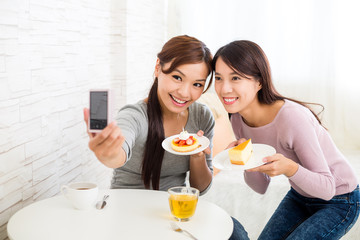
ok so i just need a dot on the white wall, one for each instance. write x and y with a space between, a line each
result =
51 53
145 36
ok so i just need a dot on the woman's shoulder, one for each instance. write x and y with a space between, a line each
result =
295 108
135 110
201 116
293 113
200 108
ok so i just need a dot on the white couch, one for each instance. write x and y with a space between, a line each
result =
253 210
230 192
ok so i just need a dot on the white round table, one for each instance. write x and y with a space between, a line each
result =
129 214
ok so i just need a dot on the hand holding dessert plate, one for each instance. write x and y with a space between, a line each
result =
201 142
222 160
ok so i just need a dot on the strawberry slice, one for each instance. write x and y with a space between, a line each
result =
189 141
177 140
182 142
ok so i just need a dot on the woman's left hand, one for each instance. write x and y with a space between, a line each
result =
276 165
200 173
200 133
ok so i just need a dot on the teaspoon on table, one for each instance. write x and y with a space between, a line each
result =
101 204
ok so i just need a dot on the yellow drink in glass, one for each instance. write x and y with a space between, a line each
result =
183 201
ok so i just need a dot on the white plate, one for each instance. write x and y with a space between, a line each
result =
222 160
203 141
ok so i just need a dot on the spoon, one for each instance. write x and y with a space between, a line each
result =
176 228
102 204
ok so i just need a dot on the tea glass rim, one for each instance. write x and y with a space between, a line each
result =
196 191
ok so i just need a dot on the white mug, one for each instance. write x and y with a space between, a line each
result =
82 195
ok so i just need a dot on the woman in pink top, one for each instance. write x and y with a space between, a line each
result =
323 202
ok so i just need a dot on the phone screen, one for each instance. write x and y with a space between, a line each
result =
98 109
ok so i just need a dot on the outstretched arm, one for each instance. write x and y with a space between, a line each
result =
107 145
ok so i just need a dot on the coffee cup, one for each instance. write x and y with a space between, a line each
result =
82 195
183 201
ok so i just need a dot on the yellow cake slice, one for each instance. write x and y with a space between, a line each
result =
241 153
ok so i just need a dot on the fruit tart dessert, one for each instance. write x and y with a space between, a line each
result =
184 143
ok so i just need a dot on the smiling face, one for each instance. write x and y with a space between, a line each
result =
178 89
238 94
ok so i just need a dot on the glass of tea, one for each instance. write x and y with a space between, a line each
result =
183 201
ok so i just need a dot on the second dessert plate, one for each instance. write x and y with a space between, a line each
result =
203 142
222 160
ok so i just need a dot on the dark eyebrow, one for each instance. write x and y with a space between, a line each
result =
177 70
199 80
233 73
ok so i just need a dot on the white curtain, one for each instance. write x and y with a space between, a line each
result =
313 48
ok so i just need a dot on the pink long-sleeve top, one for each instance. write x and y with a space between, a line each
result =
323 171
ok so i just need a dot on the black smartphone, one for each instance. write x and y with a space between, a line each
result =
100 109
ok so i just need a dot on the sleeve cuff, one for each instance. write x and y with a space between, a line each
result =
207 188
298 175
127 150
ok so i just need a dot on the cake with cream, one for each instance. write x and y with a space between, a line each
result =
241 153
184 143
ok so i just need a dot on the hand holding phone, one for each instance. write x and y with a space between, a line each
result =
100 110
107 146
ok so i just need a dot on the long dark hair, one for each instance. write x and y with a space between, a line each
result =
247 58
179 50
